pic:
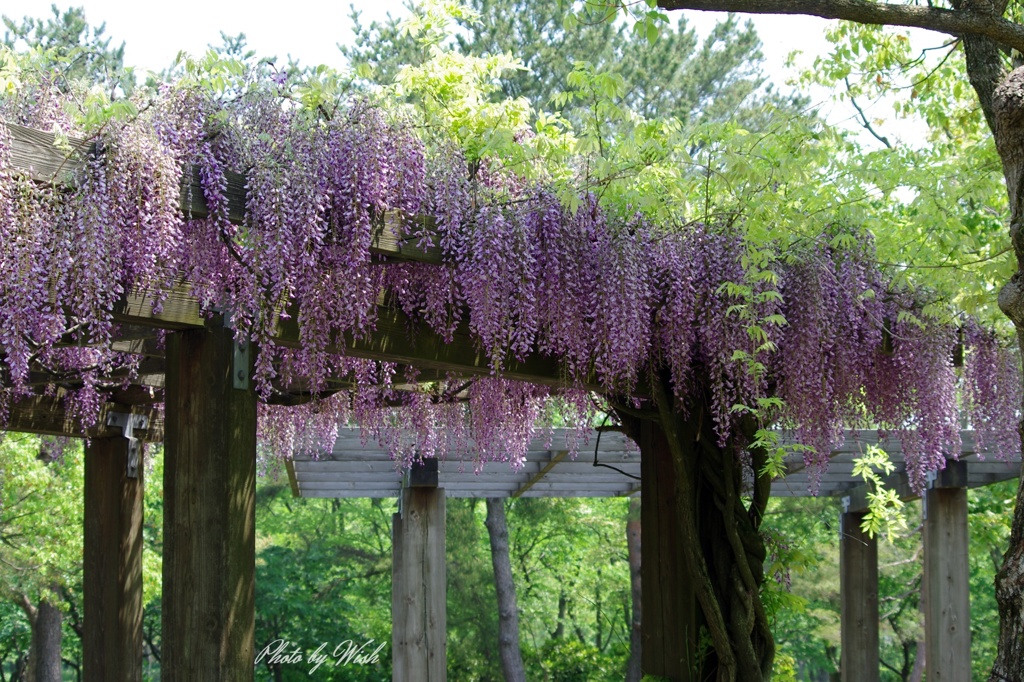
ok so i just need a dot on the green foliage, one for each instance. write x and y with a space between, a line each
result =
79 51
569 660
41 508
885 508
936 209
37 554
323 572
990 511
665 70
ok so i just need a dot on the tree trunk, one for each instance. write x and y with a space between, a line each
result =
44 663
719 556
1006 117
508 612
563 602
633 673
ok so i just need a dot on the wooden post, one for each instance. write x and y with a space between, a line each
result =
669 622
418 584
858 596
209 509
112 564
947 607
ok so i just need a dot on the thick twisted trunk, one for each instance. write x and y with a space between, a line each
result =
703 555
1008 118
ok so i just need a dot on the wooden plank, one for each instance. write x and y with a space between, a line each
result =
858 597
37 154
452 472
389 240
180 310
947 608
581 480
209 513
392 342
112 564
293 482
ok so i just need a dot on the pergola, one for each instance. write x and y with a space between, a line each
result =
610 466
208 427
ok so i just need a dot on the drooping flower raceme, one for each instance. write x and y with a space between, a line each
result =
612 297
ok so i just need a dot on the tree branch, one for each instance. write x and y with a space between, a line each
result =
953 22
864 121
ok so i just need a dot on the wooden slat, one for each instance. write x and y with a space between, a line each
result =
388 239
293 482
391 342
36 154
536 478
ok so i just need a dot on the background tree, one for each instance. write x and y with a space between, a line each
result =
66 38
678 75
39 559
323 576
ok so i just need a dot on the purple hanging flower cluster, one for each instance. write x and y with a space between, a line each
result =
992 392
612 297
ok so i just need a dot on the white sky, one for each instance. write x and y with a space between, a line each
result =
309 30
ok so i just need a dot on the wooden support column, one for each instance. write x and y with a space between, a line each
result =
858 596
947 607
418 581
669 622
209 509
112 564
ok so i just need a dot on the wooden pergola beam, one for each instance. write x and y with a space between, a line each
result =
554 459
47 416
38 155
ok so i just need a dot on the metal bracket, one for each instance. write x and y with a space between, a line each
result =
845 501
240 365
128 422
239 357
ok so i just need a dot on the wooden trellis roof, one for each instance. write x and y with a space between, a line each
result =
355 469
